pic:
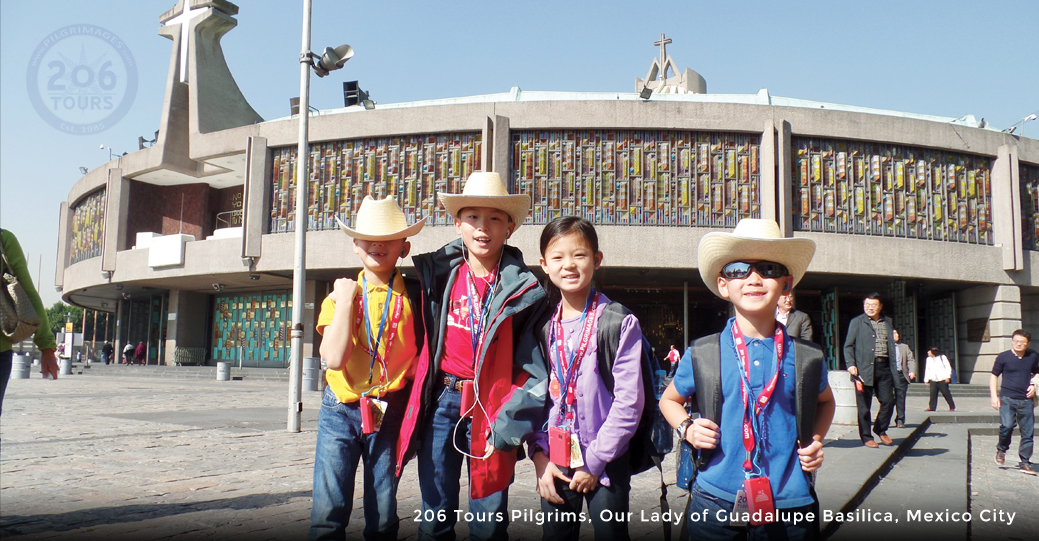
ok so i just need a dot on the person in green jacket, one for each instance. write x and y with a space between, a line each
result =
43 338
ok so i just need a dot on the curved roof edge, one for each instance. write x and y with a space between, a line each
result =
761 98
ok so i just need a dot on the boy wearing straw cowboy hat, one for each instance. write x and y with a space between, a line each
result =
480 386
753 459
372 333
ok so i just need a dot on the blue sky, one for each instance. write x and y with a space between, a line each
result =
947 58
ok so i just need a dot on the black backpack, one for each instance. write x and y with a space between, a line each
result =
653 438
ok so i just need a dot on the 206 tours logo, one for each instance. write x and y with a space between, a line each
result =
82 79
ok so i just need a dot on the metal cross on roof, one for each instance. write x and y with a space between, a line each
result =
663 54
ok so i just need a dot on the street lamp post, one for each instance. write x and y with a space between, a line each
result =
332 59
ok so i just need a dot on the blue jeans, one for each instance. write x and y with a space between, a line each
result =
340 444
708 527
440 473
1022 413
614 498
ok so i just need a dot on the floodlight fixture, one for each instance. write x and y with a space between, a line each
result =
83 170
646 92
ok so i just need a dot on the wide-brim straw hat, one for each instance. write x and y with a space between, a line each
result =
380 219
753 240
484 189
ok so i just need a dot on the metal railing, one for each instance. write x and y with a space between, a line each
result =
231 218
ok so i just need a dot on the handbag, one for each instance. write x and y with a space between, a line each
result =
18 317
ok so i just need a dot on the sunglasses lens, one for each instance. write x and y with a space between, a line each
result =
768 269
736 270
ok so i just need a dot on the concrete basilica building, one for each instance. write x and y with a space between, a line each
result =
189 241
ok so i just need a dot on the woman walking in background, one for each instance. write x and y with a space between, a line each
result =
938 373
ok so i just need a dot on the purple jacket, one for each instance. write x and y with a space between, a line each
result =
604 425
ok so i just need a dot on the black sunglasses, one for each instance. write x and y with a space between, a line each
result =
765 269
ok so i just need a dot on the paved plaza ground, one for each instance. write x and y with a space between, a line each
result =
154 453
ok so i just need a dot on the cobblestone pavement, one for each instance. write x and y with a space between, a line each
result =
996 490
150 458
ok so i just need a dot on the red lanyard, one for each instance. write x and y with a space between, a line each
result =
362 317
568 367
766 393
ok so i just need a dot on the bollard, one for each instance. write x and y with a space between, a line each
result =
21 367
846 412
66 367
223 371
311 373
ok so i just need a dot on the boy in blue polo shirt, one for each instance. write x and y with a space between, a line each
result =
755 462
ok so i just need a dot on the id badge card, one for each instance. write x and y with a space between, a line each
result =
759 500
576 456
559 446
372 412
739 510
468 400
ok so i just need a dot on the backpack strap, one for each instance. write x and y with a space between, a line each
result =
707 377
808 371
608 339
414 289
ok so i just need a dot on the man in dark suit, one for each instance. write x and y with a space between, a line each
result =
797 323
905 372
869 353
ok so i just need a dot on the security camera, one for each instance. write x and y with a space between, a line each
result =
218 287
254 276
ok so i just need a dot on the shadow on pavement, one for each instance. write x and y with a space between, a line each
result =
87 518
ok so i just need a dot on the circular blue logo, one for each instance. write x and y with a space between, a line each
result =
82 79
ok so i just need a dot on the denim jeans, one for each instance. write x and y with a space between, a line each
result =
340 444
702 514
614 498
440 473
1022 413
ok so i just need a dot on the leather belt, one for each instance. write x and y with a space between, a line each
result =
454 382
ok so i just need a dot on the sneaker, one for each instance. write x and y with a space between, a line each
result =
1027 469
901 425
1001 457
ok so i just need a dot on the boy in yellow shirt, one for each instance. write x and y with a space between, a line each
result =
371 330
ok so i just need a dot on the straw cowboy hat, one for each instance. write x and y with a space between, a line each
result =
380 220
483 189
752 240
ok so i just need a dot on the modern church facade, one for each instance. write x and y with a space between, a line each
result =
190 241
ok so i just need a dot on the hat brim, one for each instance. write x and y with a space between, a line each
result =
719 249
402 234
517 206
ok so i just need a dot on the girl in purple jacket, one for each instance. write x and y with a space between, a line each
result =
581 453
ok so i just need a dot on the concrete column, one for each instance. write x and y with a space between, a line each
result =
767 178
993 312
487 154
186 322
257 192
117 210
1006 207
61 260
502 163
785 178
312 297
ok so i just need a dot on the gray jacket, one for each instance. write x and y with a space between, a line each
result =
908 360
799 325
861 343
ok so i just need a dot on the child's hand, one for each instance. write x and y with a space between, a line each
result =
812 456
583 482
343 291
703 434
547 473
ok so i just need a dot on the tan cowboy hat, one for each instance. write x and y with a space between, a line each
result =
752 240
380 220
483 189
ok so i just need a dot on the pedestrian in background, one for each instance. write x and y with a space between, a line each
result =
938 372
905 372
867 352
1014 401
106 352
140 353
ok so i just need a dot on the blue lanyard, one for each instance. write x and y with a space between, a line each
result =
477 318
367 320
